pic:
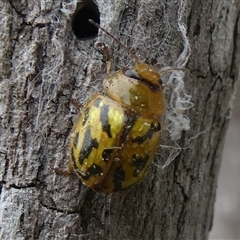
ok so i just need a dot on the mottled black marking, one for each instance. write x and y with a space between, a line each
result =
87 146
86 116
106 154
129 120
97 103
148 135
94 170
139 163
75 140
118 178
104 120
158 127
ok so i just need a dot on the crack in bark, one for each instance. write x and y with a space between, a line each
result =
235 38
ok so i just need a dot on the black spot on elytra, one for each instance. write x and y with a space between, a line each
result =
155 127
118 178
86 116
158 127
128 123
97 103
75 140
87 146
104 120
94 170
139 163
106 154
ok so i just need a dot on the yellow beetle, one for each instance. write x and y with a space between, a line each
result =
115 138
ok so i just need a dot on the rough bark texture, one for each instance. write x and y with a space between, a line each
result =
43 66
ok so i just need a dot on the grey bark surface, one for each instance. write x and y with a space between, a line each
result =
43 66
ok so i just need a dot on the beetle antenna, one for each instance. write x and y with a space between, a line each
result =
109 34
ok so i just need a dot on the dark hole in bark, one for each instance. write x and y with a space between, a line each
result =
85 10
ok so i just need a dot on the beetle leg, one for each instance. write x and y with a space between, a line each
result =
104 49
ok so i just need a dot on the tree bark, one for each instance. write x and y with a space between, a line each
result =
44 66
